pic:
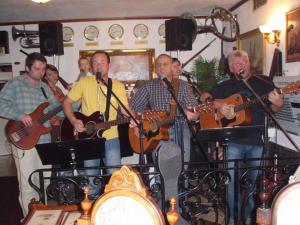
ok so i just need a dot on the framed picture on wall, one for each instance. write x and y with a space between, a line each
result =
129 65
132 67
293 36
258 3
253 43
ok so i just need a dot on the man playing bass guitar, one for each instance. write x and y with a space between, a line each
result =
18 98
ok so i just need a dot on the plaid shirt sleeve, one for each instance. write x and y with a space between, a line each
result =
8 108
139 101
188 96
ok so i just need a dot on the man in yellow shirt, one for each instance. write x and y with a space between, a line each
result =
92 93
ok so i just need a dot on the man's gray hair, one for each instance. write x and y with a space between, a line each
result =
237 54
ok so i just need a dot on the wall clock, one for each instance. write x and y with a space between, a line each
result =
162 30
91 33
68 34
116 31
140 31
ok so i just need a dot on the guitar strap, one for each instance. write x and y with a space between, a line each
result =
108 97
44 93
175 84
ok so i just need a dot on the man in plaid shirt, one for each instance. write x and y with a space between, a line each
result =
18 98
154 95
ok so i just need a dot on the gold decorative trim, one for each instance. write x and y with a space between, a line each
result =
127 179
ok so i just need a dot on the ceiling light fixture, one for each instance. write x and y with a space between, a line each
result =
41 1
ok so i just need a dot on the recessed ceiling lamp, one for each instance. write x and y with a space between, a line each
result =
41 1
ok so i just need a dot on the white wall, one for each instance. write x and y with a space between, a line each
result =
272 12
68 62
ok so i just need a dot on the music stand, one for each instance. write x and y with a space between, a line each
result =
228 133
71 152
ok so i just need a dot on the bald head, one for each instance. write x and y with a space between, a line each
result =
164 66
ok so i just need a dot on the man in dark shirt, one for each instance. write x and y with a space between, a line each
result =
249 146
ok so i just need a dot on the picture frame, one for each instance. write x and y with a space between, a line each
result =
258 3
253 43
131 66
40 214
293 35
128 65
71 217
45 217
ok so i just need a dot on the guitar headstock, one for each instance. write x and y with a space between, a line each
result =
291 88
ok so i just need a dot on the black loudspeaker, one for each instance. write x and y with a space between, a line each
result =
179 34
4 48
51 39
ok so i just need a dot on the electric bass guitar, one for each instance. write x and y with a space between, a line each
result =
27 137
155 127
213 118
94 124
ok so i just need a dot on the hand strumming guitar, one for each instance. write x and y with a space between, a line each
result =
276 99
26 119
225 109
78 125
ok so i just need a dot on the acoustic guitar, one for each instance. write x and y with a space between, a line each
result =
212 118
94 124
156 127
27 137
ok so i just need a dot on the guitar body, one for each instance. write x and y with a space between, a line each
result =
150 120
214 119
149 144
67 129
27 137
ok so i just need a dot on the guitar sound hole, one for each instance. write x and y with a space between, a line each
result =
90 128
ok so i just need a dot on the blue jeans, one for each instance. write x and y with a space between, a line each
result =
239 151
112 158
181 135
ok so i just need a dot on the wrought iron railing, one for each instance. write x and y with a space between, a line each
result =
202 187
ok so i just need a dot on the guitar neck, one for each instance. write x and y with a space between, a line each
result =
108 124
254 101
49 115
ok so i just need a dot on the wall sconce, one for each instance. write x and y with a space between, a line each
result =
272 36
41 1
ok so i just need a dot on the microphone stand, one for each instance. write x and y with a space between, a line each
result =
263 213
139 124
269 113
188 77
181 110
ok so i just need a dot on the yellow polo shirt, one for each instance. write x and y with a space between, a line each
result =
92 99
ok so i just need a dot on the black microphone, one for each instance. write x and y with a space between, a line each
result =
98 76
167 82
186 74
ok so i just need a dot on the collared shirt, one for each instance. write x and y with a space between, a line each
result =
155 96
19 97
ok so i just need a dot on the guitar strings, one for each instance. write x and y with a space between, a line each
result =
24 128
